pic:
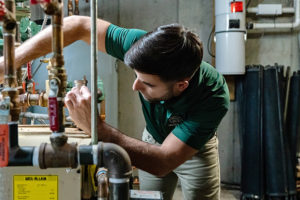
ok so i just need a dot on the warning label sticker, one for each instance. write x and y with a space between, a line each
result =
35 187
3 145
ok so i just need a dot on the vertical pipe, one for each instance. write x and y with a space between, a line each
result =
94 44
57 76
58 65
9 49
9 28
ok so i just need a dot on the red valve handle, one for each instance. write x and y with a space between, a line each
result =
29 75
53 113
39 1
2 10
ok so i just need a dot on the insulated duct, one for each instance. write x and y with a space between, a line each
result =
275 157
252 158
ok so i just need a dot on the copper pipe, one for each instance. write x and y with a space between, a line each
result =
102 179
10 79
57 70
70 7
29 99
9 30
57 74
76 12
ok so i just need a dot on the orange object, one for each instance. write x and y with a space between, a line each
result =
4 148
236 6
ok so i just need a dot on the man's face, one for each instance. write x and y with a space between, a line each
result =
153 88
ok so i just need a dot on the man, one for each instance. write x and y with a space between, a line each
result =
183 101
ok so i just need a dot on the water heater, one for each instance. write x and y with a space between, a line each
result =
230 36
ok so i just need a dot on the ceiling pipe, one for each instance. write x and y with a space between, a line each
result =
292 25
255 10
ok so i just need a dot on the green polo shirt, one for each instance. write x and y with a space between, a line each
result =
194 116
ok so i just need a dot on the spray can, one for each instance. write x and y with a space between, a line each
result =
4 131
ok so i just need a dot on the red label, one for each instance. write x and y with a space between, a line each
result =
236 6
53 113
4 156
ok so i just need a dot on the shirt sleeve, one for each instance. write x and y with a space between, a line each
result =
119 40
202 122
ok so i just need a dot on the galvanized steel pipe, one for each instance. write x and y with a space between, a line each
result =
94 44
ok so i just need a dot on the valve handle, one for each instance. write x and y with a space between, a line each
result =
39 1
2 10
29 74
53 113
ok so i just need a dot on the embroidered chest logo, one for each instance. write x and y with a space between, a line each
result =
175 119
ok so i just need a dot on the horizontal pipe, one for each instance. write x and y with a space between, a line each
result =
51 156
34 115
85 155
293 25
40 116
28 99
21 156
290 10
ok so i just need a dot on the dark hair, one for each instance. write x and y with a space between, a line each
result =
170 51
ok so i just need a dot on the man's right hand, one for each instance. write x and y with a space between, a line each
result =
78 102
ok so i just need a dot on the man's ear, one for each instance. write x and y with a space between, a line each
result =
182 85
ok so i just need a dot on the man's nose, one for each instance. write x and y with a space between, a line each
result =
136 85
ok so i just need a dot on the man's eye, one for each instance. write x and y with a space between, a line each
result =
149 85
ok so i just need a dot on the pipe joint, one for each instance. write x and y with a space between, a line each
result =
15 109
116 160
53 157
58 139
9 22
29 99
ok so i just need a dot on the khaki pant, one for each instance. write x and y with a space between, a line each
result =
199 176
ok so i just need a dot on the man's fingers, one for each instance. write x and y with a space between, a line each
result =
85 92
69 104
75 90
70 100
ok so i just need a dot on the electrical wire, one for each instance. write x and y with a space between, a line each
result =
249 1
44 21
208 42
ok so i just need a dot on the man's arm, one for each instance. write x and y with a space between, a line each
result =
74 28
157 160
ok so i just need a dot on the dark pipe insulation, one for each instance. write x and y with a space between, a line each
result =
18 156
